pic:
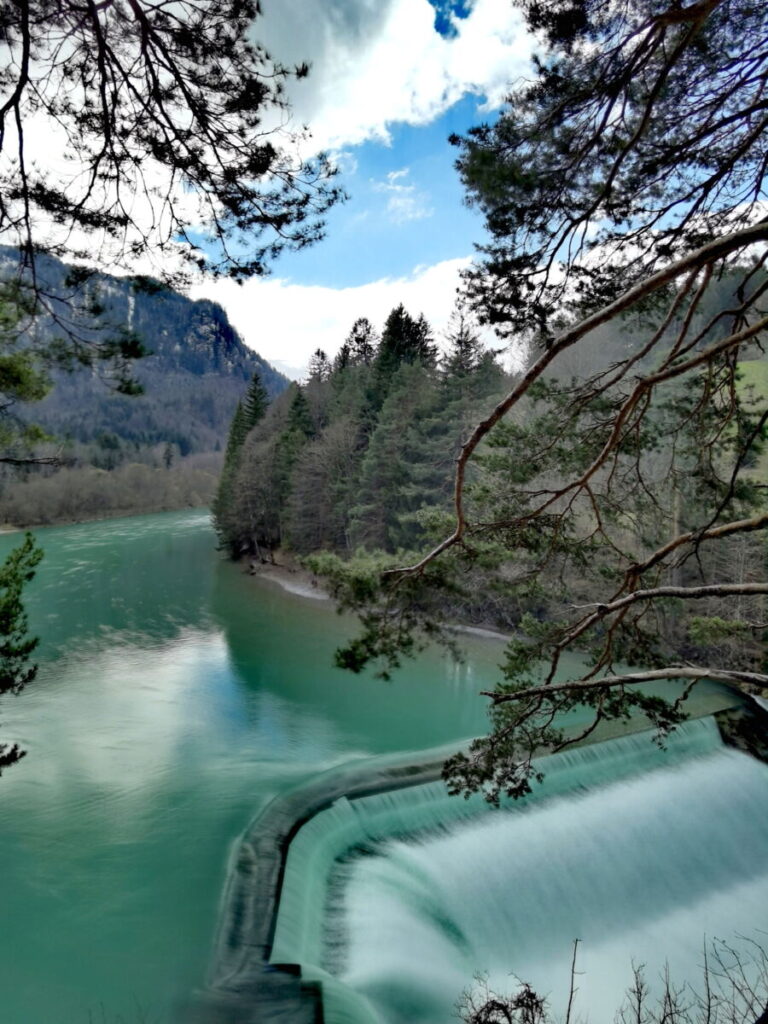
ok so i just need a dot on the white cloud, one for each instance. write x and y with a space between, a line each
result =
404 201
47 149
378 62
375 63
285 322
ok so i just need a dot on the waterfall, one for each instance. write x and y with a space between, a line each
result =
643 866
402 902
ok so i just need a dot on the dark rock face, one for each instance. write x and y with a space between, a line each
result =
197 370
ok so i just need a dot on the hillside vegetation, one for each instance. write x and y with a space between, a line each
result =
109 452
363 453
354 471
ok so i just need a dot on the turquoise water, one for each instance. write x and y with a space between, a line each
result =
323 856
176 695
641 868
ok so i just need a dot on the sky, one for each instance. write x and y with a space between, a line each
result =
390 80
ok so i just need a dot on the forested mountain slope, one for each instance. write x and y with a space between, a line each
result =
113 452
363 454
197 369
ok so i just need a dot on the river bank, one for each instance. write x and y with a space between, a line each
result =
288 573
82 494
102 517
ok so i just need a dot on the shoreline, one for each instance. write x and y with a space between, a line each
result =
293 578
290 576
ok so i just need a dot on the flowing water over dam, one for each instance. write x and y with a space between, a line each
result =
639 853
643 868
177 697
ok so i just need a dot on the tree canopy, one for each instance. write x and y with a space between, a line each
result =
361 452
172 120
623 510
640 140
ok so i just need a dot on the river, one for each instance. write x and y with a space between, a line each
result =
177 695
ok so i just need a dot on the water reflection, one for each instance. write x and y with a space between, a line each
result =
175 698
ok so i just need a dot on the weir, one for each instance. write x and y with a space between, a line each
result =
293 944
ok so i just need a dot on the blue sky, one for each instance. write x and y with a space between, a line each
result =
448 13
390 80
405 207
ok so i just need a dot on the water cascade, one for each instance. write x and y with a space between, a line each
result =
636 866
402 925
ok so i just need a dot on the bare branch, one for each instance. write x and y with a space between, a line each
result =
704 256
576 686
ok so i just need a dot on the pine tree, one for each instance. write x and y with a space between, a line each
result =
255 402
362 342
250 410
319 368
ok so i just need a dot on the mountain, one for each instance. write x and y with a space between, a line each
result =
197 371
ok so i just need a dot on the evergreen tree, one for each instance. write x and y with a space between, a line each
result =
462 358
319 368
425 342
298 431
257 496
16 646
362 342
323 488
470 376
250 410
223 510
350 399
403 341
342 359
238 431
299 417
255 402
399 474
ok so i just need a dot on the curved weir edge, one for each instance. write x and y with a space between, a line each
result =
243 987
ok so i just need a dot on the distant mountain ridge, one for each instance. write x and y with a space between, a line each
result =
198 370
